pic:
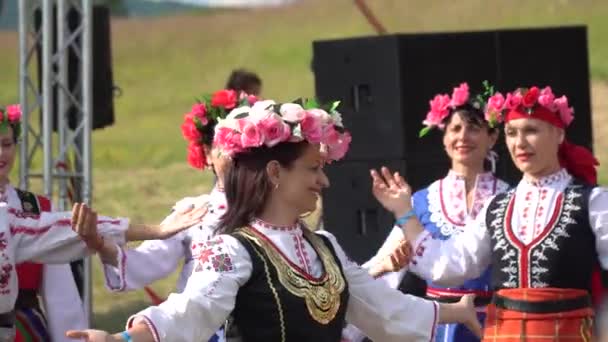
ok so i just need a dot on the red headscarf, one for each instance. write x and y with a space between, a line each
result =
578 160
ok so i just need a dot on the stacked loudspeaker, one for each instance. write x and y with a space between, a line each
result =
103 84
385 84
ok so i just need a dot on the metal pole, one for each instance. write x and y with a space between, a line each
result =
62 98
47 95
87 99
23 98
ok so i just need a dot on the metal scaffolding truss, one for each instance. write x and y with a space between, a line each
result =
66 156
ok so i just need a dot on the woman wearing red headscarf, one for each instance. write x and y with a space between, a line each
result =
544 238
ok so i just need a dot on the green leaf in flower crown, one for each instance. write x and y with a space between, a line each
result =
334 105
242 115
311 103
197 122
207 99
424 131
4 126
243 102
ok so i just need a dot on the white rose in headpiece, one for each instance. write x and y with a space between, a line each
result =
337 117
238 111
292 112
261 110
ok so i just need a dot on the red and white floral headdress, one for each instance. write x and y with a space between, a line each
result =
199 122
442 105
267 123
11 116
530 103
534 103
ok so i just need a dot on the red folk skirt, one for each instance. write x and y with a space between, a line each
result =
509 325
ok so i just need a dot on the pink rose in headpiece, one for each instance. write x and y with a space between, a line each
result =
546 99
337 150
200 111
221 136
250 134
439 110
274 130
330 135
513 100
494 108
228 140
13 113
325 118
460 95
312 127
565 112
251 99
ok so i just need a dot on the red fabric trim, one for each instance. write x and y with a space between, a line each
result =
524 249
44 203
539 113
436 292
41 230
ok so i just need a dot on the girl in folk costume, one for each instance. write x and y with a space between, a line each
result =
54 283
198 128
281 281
448 204
29 231
543 238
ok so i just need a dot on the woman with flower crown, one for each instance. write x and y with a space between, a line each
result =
32 236
543 238
281 281
448 204
132 269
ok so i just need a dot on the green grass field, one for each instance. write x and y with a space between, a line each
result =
161 64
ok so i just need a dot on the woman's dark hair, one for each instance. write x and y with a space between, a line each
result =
243 80
472 115
208 132
247 185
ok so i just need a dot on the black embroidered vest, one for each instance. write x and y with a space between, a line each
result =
562 256
282 303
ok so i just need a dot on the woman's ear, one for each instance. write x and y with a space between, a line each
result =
273 171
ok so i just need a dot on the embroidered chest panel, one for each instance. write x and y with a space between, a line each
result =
323 295
442 207
555 257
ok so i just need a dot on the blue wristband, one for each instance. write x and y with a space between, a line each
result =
403 219
126 336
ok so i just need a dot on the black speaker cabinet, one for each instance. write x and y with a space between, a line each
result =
103 84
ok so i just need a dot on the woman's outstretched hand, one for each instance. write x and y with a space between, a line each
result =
391 190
